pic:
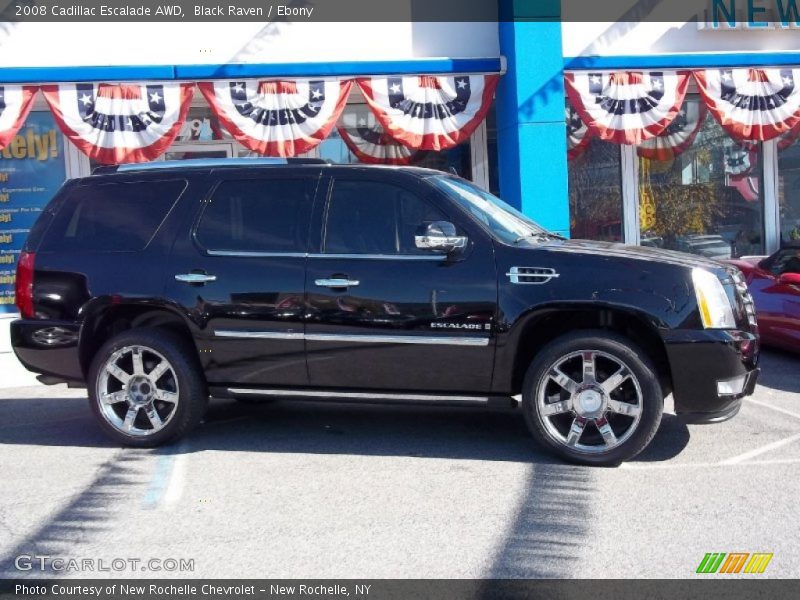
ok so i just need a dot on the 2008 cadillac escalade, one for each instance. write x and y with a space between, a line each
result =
160 286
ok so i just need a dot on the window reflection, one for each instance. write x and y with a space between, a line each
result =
789 191
705 200
456 160
595 193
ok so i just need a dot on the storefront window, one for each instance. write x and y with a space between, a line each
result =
202 126
595 193
705 200
456 160
789 192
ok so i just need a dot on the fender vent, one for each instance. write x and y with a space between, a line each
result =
531 275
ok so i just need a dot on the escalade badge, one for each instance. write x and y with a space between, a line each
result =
472 326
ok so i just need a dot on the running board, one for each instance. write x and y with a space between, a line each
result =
366 397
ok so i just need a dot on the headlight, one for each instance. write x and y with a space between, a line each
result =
715 308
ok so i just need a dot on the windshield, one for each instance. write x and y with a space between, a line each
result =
506 222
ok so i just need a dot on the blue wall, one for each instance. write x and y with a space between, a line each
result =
531 133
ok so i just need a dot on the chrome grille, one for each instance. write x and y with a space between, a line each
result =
744 296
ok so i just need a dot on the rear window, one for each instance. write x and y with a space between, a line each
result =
111 217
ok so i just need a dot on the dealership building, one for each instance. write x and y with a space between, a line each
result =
680 135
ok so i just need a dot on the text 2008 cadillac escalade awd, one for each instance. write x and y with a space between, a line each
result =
160 286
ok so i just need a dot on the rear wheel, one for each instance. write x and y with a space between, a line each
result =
593 397
147 388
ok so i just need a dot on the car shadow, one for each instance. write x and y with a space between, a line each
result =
670 440
319 428
779 370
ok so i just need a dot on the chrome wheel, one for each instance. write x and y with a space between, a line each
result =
137 391
589 401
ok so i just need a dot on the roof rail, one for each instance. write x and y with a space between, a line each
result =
204 163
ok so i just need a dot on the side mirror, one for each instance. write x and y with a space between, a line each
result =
789 279
439 236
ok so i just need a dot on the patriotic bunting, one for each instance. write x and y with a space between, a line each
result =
678 136
739 161
752 104
120 123
627 107
430 113
15 104
369 141
278 118
578 134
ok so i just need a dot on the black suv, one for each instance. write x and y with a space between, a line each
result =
158 286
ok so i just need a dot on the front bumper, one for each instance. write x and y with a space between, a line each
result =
699 361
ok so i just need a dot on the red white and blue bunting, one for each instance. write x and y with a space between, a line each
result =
578 134
369 142
15 104
278 118
678 136
120 123
752 104
427 112
739 161
627 107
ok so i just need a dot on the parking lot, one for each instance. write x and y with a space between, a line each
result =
317 490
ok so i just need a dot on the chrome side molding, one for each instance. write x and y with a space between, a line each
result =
362 396
262 335
358 338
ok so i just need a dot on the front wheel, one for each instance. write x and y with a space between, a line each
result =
593 397
146 387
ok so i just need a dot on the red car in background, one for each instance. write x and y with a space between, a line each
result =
774 282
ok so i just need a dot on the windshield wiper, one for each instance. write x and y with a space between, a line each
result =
539 236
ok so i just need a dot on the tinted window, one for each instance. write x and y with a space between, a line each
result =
258 215
368 217
111 217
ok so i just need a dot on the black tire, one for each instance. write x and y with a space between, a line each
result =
609 347
184 376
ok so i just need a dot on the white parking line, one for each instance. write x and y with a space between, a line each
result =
776 408
168 479
741 459
177 481
705 465
758 451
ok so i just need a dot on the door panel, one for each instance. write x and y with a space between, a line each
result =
407 319
251 236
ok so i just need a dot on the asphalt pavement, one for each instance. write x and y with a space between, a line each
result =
291 490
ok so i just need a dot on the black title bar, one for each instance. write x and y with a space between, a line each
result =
713 588
299 11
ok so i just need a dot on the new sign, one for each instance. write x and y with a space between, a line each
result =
751 15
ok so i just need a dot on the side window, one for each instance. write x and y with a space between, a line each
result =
257 215
111 217
370 217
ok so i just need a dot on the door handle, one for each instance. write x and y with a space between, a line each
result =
195 278
336 283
